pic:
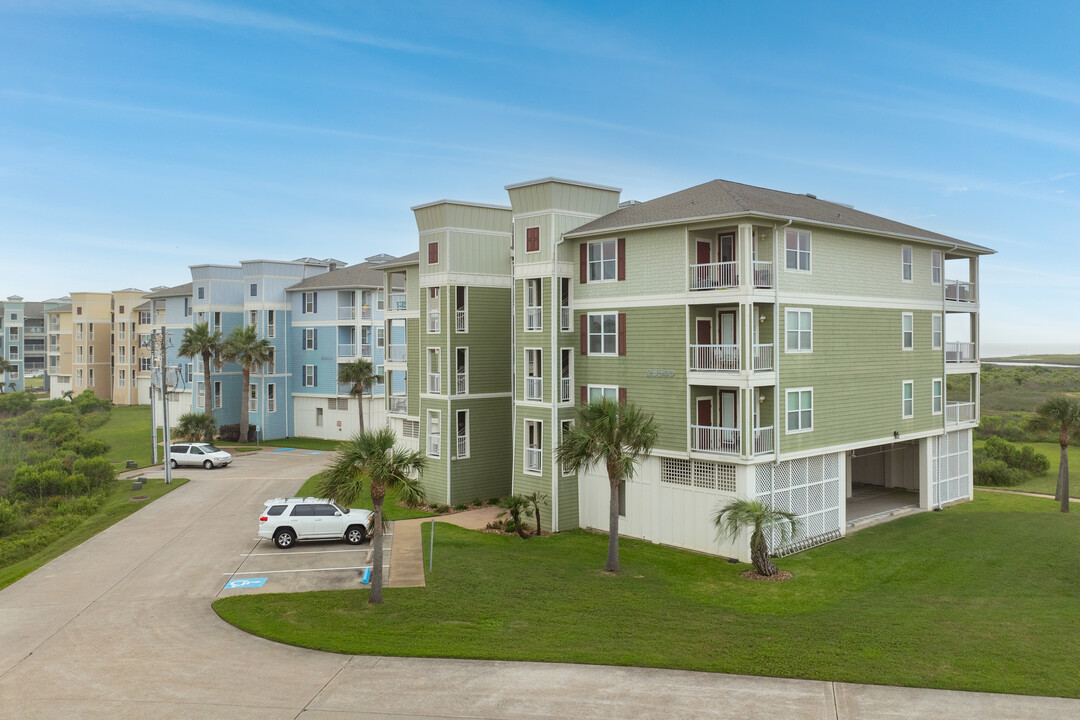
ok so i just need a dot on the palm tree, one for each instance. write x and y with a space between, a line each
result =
618 436
196 426
535 500
361 373
244 346
200 341
1061 413
5 367
763 520
515 506
372 456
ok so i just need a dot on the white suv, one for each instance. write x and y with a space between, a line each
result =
196 454
286 520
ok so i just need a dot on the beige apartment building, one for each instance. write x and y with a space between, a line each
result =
59 351
125 345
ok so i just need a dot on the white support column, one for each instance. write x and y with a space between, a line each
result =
745 239
845 482
926 473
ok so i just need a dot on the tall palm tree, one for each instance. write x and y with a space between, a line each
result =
199 341
361 373
762 520
5 367
196 427
618 436
244 346
1061 413
371 456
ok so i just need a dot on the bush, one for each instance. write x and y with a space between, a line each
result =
99 472
1025 459
442 509
493 501
15 403
87 402
460 507
996 473
477 503
231 433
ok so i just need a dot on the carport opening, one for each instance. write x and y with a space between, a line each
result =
883 479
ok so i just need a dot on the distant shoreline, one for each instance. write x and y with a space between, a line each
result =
1061 361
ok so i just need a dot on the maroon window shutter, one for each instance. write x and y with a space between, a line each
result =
584 334
433 253
622 396
532 239
621 261
584 274
622 333
584 394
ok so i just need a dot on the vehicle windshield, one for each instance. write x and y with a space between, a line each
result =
209 449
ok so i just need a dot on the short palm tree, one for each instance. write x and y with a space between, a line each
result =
243 346
515 506
372 457
1061 413
617 436
199 341
5 367
762 520
535 500
361 373
196 427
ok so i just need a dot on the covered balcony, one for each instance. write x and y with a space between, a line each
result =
716 426
960 394
718 342
722 258
346 341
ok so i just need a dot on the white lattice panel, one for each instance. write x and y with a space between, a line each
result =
699 474
950 462
809 488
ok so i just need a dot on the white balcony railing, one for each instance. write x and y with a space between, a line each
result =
397 353
714 276
399 404
462 383
565 389
346 313
365 350
344 389
534 388
365 312
434 383
958 412
346 350
534 318
564 318
763 440
762 274
708 438
398 301
460 320
959 291
434 445
763 357
434 321
462 446
714 357
534 460
959 352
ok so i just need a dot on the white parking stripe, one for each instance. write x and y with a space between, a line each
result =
267 572
286 553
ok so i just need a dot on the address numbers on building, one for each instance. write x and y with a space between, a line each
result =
658 372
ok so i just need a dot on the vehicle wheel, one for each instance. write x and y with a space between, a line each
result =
284 538
355 535
208 465
172 464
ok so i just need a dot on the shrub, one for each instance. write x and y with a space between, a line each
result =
996 473
461 507
433 506
86 447
493 501
1025 459
15 403
37 482
87 402
231 433
477 502
99 472
197 427
442 509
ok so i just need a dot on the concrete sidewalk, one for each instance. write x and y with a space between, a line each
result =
407 560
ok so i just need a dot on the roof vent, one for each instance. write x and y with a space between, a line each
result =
379 259
811 196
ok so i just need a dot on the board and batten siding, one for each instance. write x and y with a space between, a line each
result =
856 370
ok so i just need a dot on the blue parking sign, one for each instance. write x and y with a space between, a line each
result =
244 583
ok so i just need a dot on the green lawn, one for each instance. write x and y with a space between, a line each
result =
128 434
979 597
304 443
1048 482
117 507
391 510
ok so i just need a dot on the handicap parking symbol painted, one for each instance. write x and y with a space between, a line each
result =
242 583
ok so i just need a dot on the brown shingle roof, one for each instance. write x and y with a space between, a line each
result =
177 291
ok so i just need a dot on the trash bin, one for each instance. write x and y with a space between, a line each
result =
131 465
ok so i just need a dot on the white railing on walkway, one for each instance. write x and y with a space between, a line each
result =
434 445
365 350
462 446
763 357
565 389
399 301
460 316
365 312
762 274
434 383
959 352
534 388
564 318
713 276
346 350
533 459
763 440
534 318
399 404
398 353
959 291
462 383
708 438
958 412
346 313
714 357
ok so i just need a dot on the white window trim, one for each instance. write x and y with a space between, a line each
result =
525 446
563 426
309 339
938 398
437 416
380 337
935 343
466 329
528 307
433 304
903 332
809 252
604 388
468 435
437 351
467 375
253 396
940 267
217 394
589 334
907 265
903 387
798 350
271 398
588 262
570 377
539 368
787 395
309 376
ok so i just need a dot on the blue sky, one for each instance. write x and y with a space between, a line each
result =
137 138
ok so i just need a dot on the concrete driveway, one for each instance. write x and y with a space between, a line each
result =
121 627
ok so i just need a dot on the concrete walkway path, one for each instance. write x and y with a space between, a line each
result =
407 560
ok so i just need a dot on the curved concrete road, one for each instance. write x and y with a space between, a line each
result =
121 627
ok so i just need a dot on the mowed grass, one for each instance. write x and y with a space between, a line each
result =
128 434
304 443
982 596
391 510
1047 484
117 507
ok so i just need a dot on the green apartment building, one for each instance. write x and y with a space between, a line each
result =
791 349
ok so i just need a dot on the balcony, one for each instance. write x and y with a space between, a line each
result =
434 383
534 460
958 412
53 348
397 353
345 351
564 318
399 404
763 357
365 350
434 321
434 445
462 384
763 277
565 389
460 320
365 312
346 313
707 438
398 301
714 358
463 446
763 440
960 291
714 276
960 352
534 388
344 389
534 318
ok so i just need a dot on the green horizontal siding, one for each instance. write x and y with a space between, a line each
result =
488 471
488 340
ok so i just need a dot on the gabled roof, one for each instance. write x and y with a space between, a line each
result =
177 291
723 198
361 275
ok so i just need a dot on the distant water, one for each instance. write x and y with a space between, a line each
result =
988 350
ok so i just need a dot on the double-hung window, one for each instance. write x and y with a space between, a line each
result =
935 332
434 310
797 250
907 404
434 433
217 393
253 290
311 375
800 410
310 302
935 267
534 312
271 398
253 398
271 327
603 260
603 333
534 444
905 263
799 330
936 386
434 371
534 381
907 331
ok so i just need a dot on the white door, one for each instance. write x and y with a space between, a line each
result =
327 522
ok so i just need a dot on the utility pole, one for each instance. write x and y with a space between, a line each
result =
153 400
165 403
